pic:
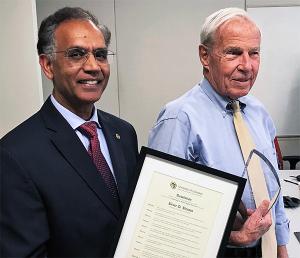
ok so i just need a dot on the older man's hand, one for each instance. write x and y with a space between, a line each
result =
258 223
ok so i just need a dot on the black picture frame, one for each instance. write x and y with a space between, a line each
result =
148 153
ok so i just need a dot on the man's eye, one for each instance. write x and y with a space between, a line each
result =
254 53
233 52
76 53
101 55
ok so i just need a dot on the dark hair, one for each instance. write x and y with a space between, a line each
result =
46 42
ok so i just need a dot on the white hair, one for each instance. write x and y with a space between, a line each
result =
215 20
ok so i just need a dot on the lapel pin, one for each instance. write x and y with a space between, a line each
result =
118 136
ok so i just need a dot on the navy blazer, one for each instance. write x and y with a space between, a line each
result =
53 200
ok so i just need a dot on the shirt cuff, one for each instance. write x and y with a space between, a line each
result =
283 232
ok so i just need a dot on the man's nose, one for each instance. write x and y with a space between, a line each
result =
91 63
245 63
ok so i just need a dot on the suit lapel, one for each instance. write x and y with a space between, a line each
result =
69 145
113 139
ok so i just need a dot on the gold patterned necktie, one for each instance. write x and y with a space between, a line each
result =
256 177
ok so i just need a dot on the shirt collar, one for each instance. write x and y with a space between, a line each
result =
220 101
74 120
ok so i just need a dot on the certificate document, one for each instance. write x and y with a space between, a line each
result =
176 220
176 211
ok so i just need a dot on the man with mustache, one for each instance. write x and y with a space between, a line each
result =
199 127
65 171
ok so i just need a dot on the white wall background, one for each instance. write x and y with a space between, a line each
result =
157 52
156 42
20 80
278 82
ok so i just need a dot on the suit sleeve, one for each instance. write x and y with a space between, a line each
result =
23 222
134 142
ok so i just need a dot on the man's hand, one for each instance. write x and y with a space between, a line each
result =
258 223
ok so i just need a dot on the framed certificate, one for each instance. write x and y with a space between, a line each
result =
178 209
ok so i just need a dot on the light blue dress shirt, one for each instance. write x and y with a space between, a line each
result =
76 121
198 127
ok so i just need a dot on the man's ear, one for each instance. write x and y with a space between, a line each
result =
204 56
46 65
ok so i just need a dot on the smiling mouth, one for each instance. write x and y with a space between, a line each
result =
242 80
89 82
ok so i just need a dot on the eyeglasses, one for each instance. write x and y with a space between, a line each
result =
78 56
274 198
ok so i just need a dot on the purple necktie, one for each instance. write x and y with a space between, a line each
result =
89 129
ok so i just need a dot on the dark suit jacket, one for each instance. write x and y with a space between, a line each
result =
53 200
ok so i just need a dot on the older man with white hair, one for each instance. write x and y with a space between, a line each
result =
200 126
